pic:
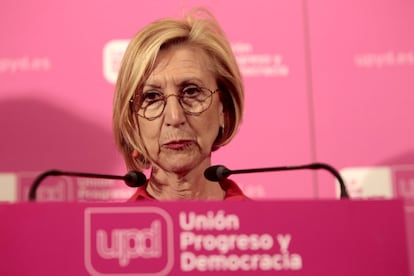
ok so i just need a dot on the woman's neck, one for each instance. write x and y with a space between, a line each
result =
164 185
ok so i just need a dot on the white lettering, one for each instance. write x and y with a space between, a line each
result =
264 262
210 221
85 194
24 64
225 243
406 187
385 59
128 244
241 47
284 241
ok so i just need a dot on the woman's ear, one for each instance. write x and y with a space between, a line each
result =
221 118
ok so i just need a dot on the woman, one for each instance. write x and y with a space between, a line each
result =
178 97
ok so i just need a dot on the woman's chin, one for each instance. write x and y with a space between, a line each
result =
180 164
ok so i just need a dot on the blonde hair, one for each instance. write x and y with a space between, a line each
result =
200 29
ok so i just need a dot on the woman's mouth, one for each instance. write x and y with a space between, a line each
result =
178 145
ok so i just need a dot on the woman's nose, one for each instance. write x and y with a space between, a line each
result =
173 113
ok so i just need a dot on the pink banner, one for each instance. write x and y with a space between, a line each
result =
297 238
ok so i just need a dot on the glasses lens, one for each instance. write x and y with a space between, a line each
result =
195 100
152 110
152 104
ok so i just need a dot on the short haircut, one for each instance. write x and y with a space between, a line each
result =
198 28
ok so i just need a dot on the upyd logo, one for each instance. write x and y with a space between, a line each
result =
128 241
112 54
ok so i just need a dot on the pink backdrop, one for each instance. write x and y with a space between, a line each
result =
325 81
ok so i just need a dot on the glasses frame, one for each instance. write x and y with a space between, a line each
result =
136 109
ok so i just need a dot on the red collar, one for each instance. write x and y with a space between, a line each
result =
233 192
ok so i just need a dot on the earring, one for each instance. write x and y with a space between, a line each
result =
135 154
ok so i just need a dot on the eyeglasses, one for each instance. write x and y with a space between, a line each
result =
193 99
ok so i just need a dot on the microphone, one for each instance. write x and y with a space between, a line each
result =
220 172
132 179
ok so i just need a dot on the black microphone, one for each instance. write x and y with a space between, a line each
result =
132 179
220 172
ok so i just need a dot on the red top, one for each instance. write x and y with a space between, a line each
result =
233 192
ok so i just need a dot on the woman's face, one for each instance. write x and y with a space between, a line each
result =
178 142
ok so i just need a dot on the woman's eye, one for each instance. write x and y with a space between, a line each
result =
191 91
152 96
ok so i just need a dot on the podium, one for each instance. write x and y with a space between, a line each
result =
303 237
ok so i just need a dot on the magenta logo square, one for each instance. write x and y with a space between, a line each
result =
128 241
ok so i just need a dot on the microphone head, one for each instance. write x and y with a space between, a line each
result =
135 179
216 173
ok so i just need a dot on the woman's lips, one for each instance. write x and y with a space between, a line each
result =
178 145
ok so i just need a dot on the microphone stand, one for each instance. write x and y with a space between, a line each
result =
132 179
220 172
